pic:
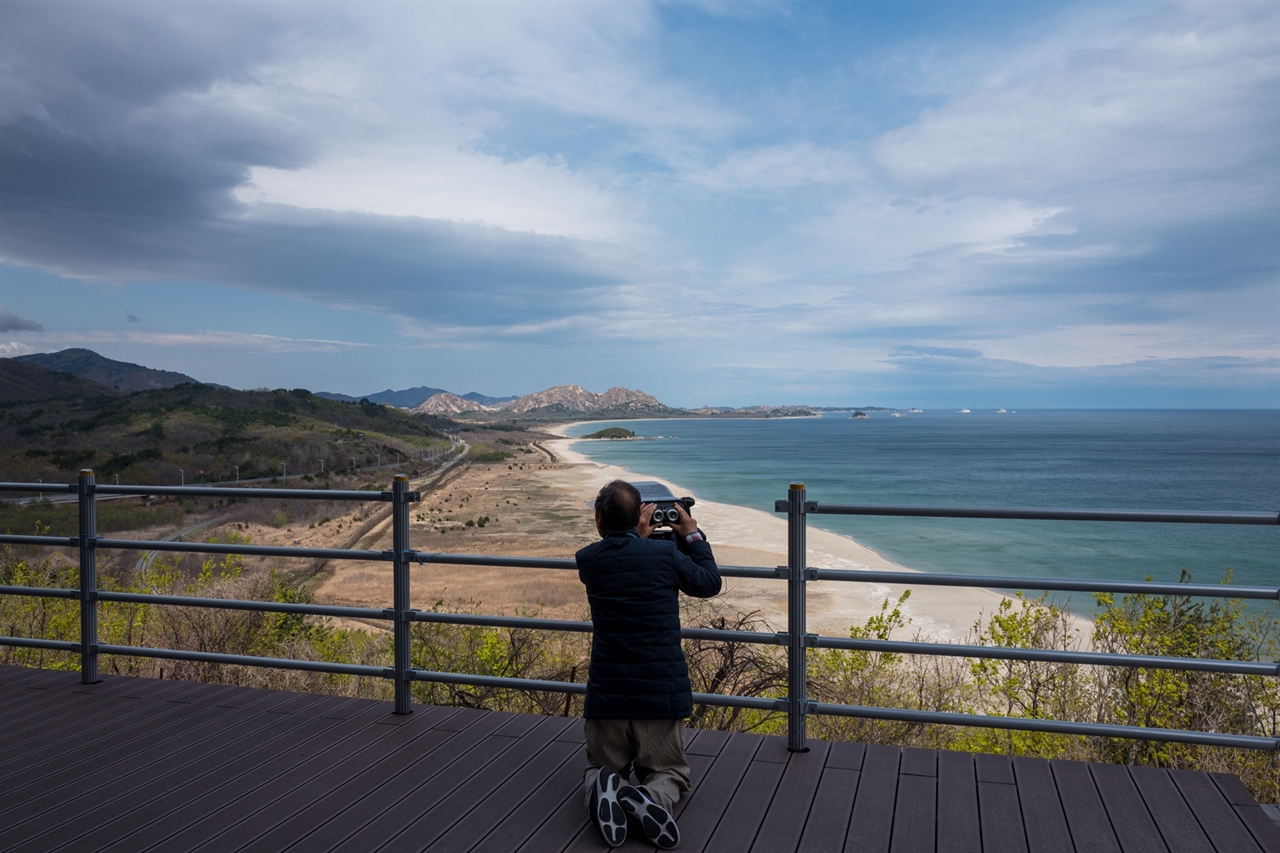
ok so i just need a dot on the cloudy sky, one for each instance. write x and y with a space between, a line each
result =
727 203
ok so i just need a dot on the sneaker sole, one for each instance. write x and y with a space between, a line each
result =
658 824
609 815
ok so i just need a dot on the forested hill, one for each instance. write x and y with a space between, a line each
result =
119 375
200 432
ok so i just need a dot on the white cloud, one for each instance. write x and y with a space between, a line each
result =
8 349
778 167
1171 98
538 195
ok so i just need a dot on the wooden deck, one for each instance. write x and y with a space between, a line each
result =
136 764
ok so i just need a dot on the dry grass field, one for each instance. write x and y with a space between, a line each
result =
526 511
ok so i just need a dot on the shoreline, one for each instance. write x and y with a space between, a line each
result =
745 536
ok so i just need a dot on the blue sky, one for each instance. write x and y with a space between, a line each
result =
933 204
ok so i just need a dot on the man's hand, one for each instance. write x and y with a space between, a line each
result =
686 524
646 525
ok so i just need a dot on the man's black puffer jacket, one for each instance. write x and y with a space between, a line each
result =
638 671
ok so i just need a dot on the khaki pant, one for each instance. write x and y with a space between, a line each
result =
654 748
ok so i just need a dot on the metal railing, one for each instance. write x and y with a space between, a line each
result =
796 638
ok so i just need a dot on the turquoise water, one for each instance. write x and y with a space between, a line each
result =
1204 460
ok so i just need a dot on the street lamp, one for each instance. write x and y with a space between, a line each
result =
353 463
237 467
284 466
183 475
321 466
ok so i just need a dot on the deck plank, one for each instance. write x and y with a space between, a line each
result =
421 738
915 817
828 824
400 743
745 812
1218 819
1130 820
1265 832
83 801
436 821
1178 826
1042 815
154 821
1082 805
54 708
785 819
1000 815
446 759
958 830
110 737
265 784
99 811
468 773
705 806
871 825
562 787
506 798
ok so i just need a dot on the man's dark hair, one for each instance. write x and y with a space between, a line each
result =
618 504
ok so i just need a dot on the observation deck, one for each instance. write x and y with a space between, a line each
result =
135 764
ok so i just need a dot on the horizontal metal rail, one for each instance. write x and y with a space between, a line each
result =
54 541
247 660
242 604
55 488
1040 514
431 616
39 592
578 689
215 492
32 643
1050 656
564 563
1205 590
1031 724
248 550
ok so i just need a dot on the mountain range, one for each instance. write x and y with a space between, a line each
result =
411 398
84 373
561 398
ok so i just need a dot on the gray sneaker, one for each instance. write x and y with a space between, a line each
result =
606 809
659 826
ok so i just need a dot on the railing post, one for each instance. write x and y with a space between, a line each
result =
86 493
400 573
797 664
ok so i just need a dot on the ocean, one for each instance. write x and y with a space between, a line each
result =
1202 460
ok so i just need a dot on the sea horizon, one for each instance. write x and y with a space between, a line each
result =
1175 459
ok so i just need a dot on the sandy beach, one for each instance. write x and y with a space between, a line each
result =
750 537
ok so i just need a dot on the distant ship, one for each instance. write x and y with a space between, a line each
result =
963 412
1002 411
916 411
898 414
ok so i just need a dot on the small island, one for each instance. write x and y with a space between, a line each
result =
613 433
857 416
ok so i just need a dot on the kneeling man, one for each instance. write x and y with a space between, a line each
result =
638 691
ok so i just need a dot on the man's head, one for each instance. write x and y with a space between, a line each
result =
618 506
